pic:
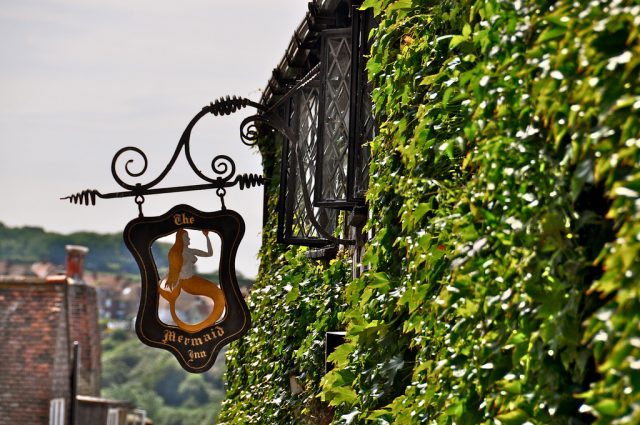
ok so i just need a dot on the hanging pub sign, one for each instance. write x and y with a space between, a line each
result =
191 315
195 344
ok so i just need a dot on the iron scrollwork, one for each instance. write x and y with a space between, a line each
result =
223 167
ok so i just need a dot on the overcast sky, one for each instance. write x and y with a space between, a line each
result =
80 79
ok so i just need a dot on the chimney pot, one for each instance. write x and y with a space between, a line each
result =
75 261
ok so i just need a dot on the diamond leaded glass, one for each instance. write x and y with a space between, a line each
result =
298 228
334 147
363 154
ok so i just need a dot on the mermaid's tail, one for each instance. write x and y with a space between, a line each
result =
172 295
196 285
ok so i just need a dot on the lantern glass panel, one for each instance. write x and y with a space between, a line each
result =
362 152
296 226
333 157
365 122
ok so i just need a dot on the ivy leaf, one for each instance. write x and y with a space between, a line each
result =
446 96
514 387
515 417
558 21
379 280
342 395
293 294
455 409
374 67
375 4
401 4
421 210
607 407
456 40
340 355
551 34
429 79
381 415
466 30
468 309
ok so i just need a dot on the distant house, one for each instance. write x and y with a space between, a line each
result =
11 268
40 319
118 296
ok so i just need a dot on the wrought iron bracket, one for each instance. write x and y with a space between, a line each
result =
223 167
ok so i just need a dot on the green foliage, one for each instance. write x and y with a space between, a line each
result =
291 310
153 380
107 252
294 301
509 249
505 192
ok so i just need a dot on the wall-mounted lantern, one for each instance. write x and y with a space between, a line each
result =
294 224
328 121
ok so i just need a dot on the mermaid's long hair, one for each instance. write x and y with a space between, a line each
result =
175 259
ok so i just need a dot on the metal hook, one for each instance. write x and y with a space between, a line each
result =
221 192
139 200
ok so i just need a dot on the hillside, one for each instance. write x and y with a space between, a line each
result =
108 253
153 380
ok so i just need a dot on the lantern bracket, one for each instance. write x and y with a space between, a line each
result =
270 118
222 165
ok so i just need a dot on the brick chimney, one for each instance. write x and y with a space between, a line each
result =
83 321
75 261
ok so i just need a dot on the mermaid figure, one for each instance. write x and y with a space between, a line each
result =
182 276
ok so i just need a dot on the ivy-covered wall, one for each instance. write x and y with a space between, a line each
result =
505 197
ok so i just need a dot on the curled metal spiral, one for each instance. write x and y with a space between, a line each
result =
114 164
249 130
224 166
86 197
229 104
249 180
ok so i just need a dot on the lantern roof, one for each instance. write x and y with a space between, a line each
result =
303 52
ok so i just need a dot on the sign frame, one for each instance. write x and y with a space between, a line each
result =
195 351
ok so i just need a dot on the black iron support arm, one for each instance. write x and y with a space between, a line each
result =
88 197
222 166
